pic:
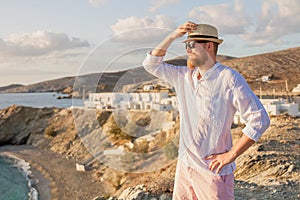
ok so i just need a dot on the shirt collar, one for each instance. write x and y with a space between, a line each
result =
208 73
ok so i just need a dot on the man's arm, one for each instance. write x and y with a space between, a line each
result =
154 64
257 122
220 160
160 50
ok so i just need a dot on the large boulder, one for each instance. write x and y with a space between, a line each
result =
17 123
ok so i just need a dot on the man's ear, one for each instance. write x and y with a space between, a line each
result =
210 46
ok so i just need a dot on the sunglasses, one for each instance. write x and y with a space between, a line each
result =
191 44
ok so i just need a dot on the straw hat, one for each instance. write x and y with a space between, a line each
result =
205 32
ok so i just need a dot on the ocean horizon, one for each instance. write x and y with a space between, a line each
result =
39 100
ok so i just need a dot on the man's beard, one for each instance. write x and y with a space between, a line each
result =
198 60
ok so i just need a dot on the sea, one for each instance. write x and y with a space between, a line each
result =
39 100
15 182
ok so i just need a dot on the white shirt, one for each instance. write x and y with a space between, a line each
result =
207 107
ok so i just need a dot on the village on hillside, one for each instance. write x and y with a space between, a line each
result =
161 98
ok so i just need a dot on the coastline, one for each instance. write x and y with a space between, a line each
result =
56 176
38 184
26 171
268 170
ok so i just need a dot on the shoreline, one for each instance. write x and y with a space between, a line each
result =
25 169
57 175
39 185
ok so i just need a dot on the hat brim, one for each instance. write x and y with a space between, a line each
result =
218 41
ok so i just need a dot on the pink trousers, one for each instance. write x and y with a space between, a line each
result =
197 185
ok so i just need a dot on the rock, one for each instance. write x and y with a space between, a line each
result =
114 178
165 197
134 193
99 198
139 193
261 148
18 123
291 168
143 121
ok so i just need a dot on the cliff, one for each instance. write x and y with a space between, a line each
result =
268 170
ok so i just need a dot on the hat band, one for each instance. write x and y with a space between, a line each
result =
202 36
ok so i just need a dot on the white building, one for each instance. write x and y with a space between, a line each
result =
277 106
132 101
274 107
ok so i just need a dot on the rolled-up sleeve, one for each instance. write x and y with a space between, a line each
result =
252 111
155 66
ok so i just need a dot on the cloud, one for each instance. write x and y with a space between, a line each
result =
277 19
97 3
229 18
38 43
156 4
141 30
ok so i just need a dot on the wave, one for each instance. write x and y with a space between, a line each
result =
24 167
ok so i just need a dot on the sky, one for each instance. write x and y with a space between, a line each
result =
49 39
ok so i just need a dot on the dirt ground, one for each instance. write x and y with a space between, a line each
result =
270 169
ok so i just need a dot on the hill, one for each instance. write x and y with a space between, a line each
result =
56 85
280 66
10 87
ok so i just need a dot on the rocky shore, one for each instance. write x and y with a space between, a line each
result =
47 138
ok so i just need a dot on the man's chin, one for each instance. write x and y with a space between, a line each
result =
191 61
190 65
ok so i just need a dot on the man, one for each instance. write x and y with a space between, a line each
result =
208 95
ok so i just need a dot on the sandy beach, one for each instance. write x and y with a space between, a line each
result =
55 177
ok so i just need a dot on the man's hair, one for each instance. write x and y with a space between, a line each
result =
216 45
